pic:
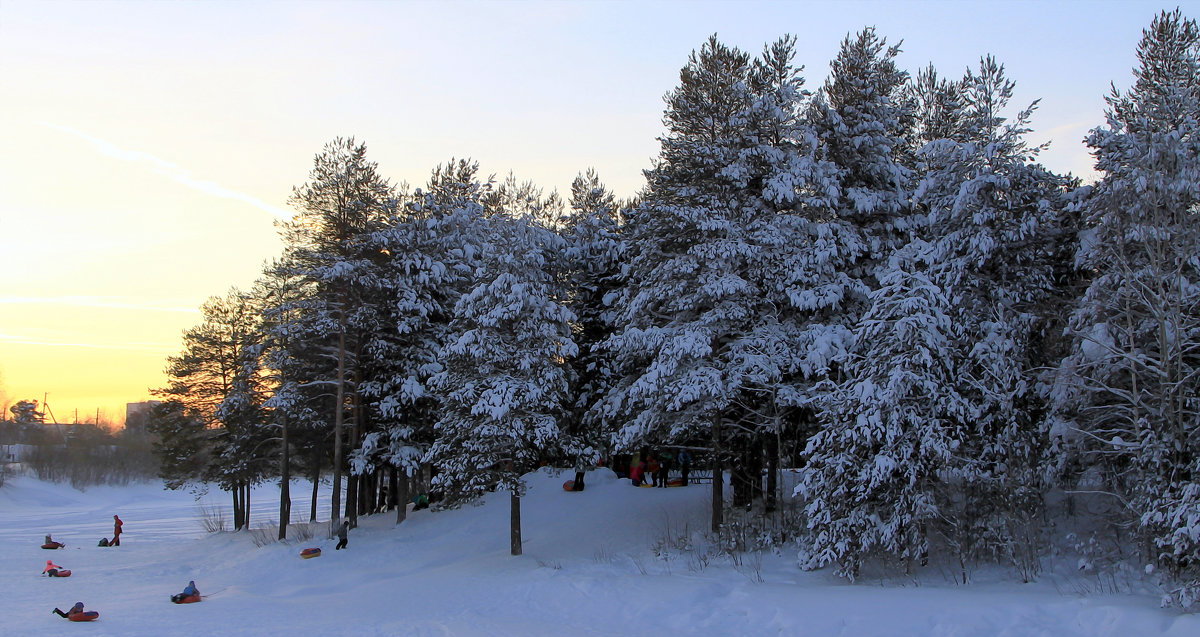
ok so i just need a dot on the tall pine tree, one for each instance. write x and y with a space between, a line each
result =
1128 392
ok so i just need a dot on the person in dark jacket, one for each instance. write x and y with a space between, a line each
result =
77 613
664 469
685 464
343 536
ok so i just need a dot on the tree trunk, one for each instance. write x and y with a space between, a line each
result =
754 468
393 476
339 405
351 509
355 482
515 523
402 497
383 491
246 503
285 483
718 476
236 492
772 472
739 475
316 486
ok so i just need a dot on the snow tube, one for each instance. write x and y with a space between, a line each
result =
307 553
54 572
181 599
85 616
53 545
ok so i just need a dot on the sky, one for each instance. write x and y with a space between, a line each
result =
148 148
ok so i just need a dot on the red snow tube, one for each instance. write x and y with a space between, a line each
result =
53 545
190 599
85 616
58 573
307 553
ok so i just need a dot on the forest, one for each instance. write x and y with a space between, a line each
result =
873 284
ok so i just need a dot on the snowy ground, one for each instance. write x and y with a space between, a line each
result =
588 569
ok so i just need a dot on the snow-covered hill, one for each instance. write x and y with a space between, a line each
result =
588 569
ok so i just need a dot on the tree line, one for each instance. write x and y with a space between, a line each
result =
875 282
83 454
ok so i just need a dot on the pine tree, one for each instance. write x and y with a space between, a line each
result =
292 366
994 217
958 407
215 379
504 380
434 250
733 270
870 484
595 250
1127 394
862 119
330 245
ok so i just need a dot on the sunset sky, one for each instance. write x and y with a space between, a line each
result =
149 147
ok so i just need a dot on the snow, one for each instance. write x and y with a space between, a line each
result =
588 568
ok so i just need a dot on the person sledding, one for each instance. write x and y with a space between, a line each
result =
190 594
51 544
54 570
77 614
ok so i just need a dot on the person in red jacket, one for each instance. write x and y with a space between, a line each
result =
51 568
116 541
637 473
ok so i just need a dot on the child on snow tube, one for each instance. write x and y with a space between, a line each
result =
189 595
54 570
77 614
51 544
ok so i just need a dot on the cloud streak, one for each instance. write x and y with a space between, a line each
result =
157 348
172 171
94 302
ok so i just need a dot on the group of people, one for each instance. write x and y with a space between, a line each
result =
77 612
654 468
189 595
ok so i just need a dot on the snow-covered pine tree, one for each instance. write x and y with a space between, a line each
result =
1127 394
870 485
862 119
434 249
732 269
504 378
994 219
684 298
329 243
937 111
989 217
595 249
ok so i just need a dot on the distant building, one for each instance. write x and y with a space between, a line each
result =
136 414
